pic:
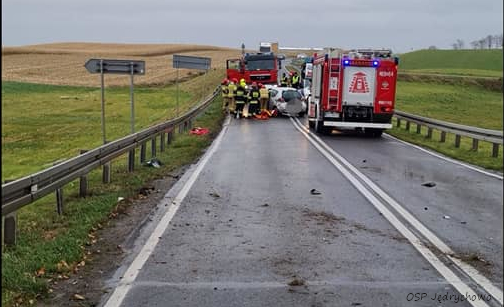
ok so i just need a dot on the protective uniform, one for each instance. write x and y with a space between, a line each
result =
285 80
253 99
231 95
225 94
240 99
263 97
295 80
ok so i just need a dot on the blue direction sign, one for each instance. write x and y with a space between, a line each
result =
125 67
191 62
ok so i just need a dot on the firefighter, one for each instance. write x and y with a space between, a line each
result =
232 92
225 94
240 98
263 97
253 100
285 80
295 80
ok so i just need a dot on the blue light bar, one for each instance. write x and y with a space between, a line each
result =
375 63
346 62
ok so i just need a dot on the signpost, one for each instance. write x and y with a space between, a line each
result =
190 62
123 67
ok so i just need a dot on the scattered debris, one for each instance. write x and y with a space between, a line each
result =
78 297
265 205
446 217
463 222
425 208
314 192
429 184
199 131
297 282
120 198
154 162
364 161
214 195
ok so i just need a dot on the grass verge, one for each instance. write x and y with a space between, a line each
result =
482 157
50 246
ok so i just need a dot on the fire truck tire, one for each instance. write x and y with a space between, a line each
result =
376 133
319 127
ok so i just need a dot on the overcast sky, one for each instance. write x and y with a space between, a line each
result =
402 25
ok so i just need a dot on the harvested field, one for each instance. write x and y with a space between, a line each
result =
63 63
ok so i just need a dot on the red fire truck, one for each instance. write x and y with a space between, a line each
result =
353 90
255 67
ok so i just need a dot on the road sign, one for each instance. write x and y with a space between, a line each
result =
124 67
191 62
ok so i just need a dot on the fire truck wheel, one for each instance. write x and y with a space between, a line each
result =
319 127
376 133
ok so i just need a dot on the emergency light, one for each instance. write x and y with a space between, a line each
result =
375 63
346 62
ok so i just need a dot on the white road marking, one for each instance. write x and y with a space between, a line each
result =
131 273
414 240
445 158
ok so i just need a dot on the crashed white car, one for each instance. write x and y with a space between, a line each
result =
288 101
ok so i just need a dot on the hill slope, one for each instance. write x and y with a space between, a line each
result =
452 59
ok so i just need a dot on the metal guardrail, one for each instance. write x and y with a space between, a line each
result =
493 136
26 190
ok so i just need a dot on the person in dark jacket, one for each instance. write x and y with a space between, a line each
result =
253 99
240 98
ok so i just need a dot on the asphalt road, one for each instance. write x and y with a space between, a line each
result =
268 219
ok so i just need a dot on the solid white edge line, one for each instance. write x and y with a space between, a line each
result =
445 158
468 269
448 274
131 273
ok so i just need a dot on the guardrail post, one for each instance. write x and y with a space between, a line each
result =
142 153
190 124
83 181
153 147
443 137
418 128
495 150
162 142
457 141
9 227
170 137
429 133
475 145
398 122
131 160
180 128
407 125
59 198
106 172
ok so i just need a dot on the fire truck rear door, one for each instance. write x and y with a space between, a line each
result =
359 86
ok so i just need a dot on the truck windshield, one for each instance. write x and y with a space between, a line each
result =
260 64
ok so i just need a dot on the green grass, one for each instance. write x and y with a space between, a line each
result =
45 238
466 105
42 124
452 59
482 157
457 72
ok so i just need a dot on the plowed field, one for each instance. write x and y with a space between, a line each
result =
63 63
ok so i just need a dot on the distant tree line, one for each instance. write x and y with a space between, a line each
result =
487 42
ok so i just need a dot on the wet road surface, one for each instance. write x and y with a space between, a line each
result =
269 221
